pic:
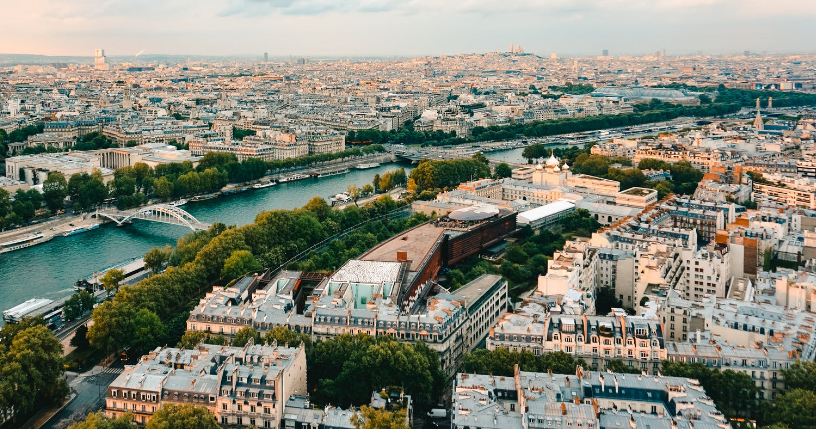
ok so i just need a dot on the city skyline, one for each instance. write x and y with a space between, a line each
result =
410 28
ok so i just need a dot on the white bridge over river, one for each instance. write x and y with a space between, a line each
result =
156 213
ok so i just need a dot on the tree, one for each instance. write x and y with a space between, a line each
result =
605 300
238 264
80 338
767 259
5 203
480 157
146 330
800 375
616 365
795 408
376 182
502 171
31 367
155 259
354 193
72 308
287 337
190 339
372 418
243 336
111 280
171 416
98 420
663 189
318 206
55 189
163 188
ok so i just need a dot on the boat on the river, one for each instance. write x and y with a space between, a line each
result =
334 173
294 178
27 241
204 197
177 203
263 185
368 165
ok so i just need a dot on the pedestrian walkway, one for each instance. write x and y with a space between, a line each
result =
113 370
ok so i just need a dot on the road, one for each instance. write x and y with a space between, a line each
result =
90 388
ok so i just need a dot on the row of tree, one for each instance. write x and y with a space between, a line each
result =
390 180
434 175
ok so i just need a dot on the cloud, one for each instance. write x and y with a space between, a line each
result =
307 7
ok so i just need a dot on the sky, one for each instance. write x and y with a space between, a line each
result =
405 27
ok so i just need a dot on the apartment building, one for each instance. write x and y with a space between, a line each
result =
635 340
247 385
361 297
799 192
586 399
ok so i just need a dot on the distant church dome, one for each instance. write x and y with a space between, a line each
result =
552 162
539 166
565 167
556 169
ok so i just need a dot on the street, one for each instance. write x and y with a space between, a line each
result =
90 389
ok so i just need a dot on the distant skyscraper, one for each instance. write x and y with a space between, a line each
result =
606 52
266 57
747 53
99 60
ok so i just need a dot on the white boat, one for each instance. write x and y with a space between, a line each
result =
177 203
294 178
334 173
22 243
263 185
368 165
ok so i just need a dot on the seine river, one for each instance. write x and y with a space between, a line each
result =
49 270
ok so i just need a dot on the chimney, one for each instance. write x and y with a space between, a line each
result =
616 383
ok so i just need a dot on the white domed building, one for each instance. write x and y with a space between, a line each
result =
551 174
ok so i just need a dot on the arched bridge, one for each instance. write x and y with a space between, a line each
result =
156 213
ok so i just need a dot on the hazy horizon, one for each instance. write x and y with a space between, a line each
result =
410 28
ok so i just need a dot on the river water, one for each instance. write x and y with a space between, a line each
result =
49 270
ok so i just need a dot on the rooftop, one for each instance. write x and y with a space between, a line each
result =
416 243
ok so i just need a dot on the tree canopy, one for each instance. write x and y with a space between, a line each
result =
172 416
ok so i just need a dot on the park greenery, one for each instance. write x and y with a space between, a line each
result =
574 89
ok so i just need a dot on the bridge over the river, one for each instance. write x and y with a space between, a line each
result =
156 213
